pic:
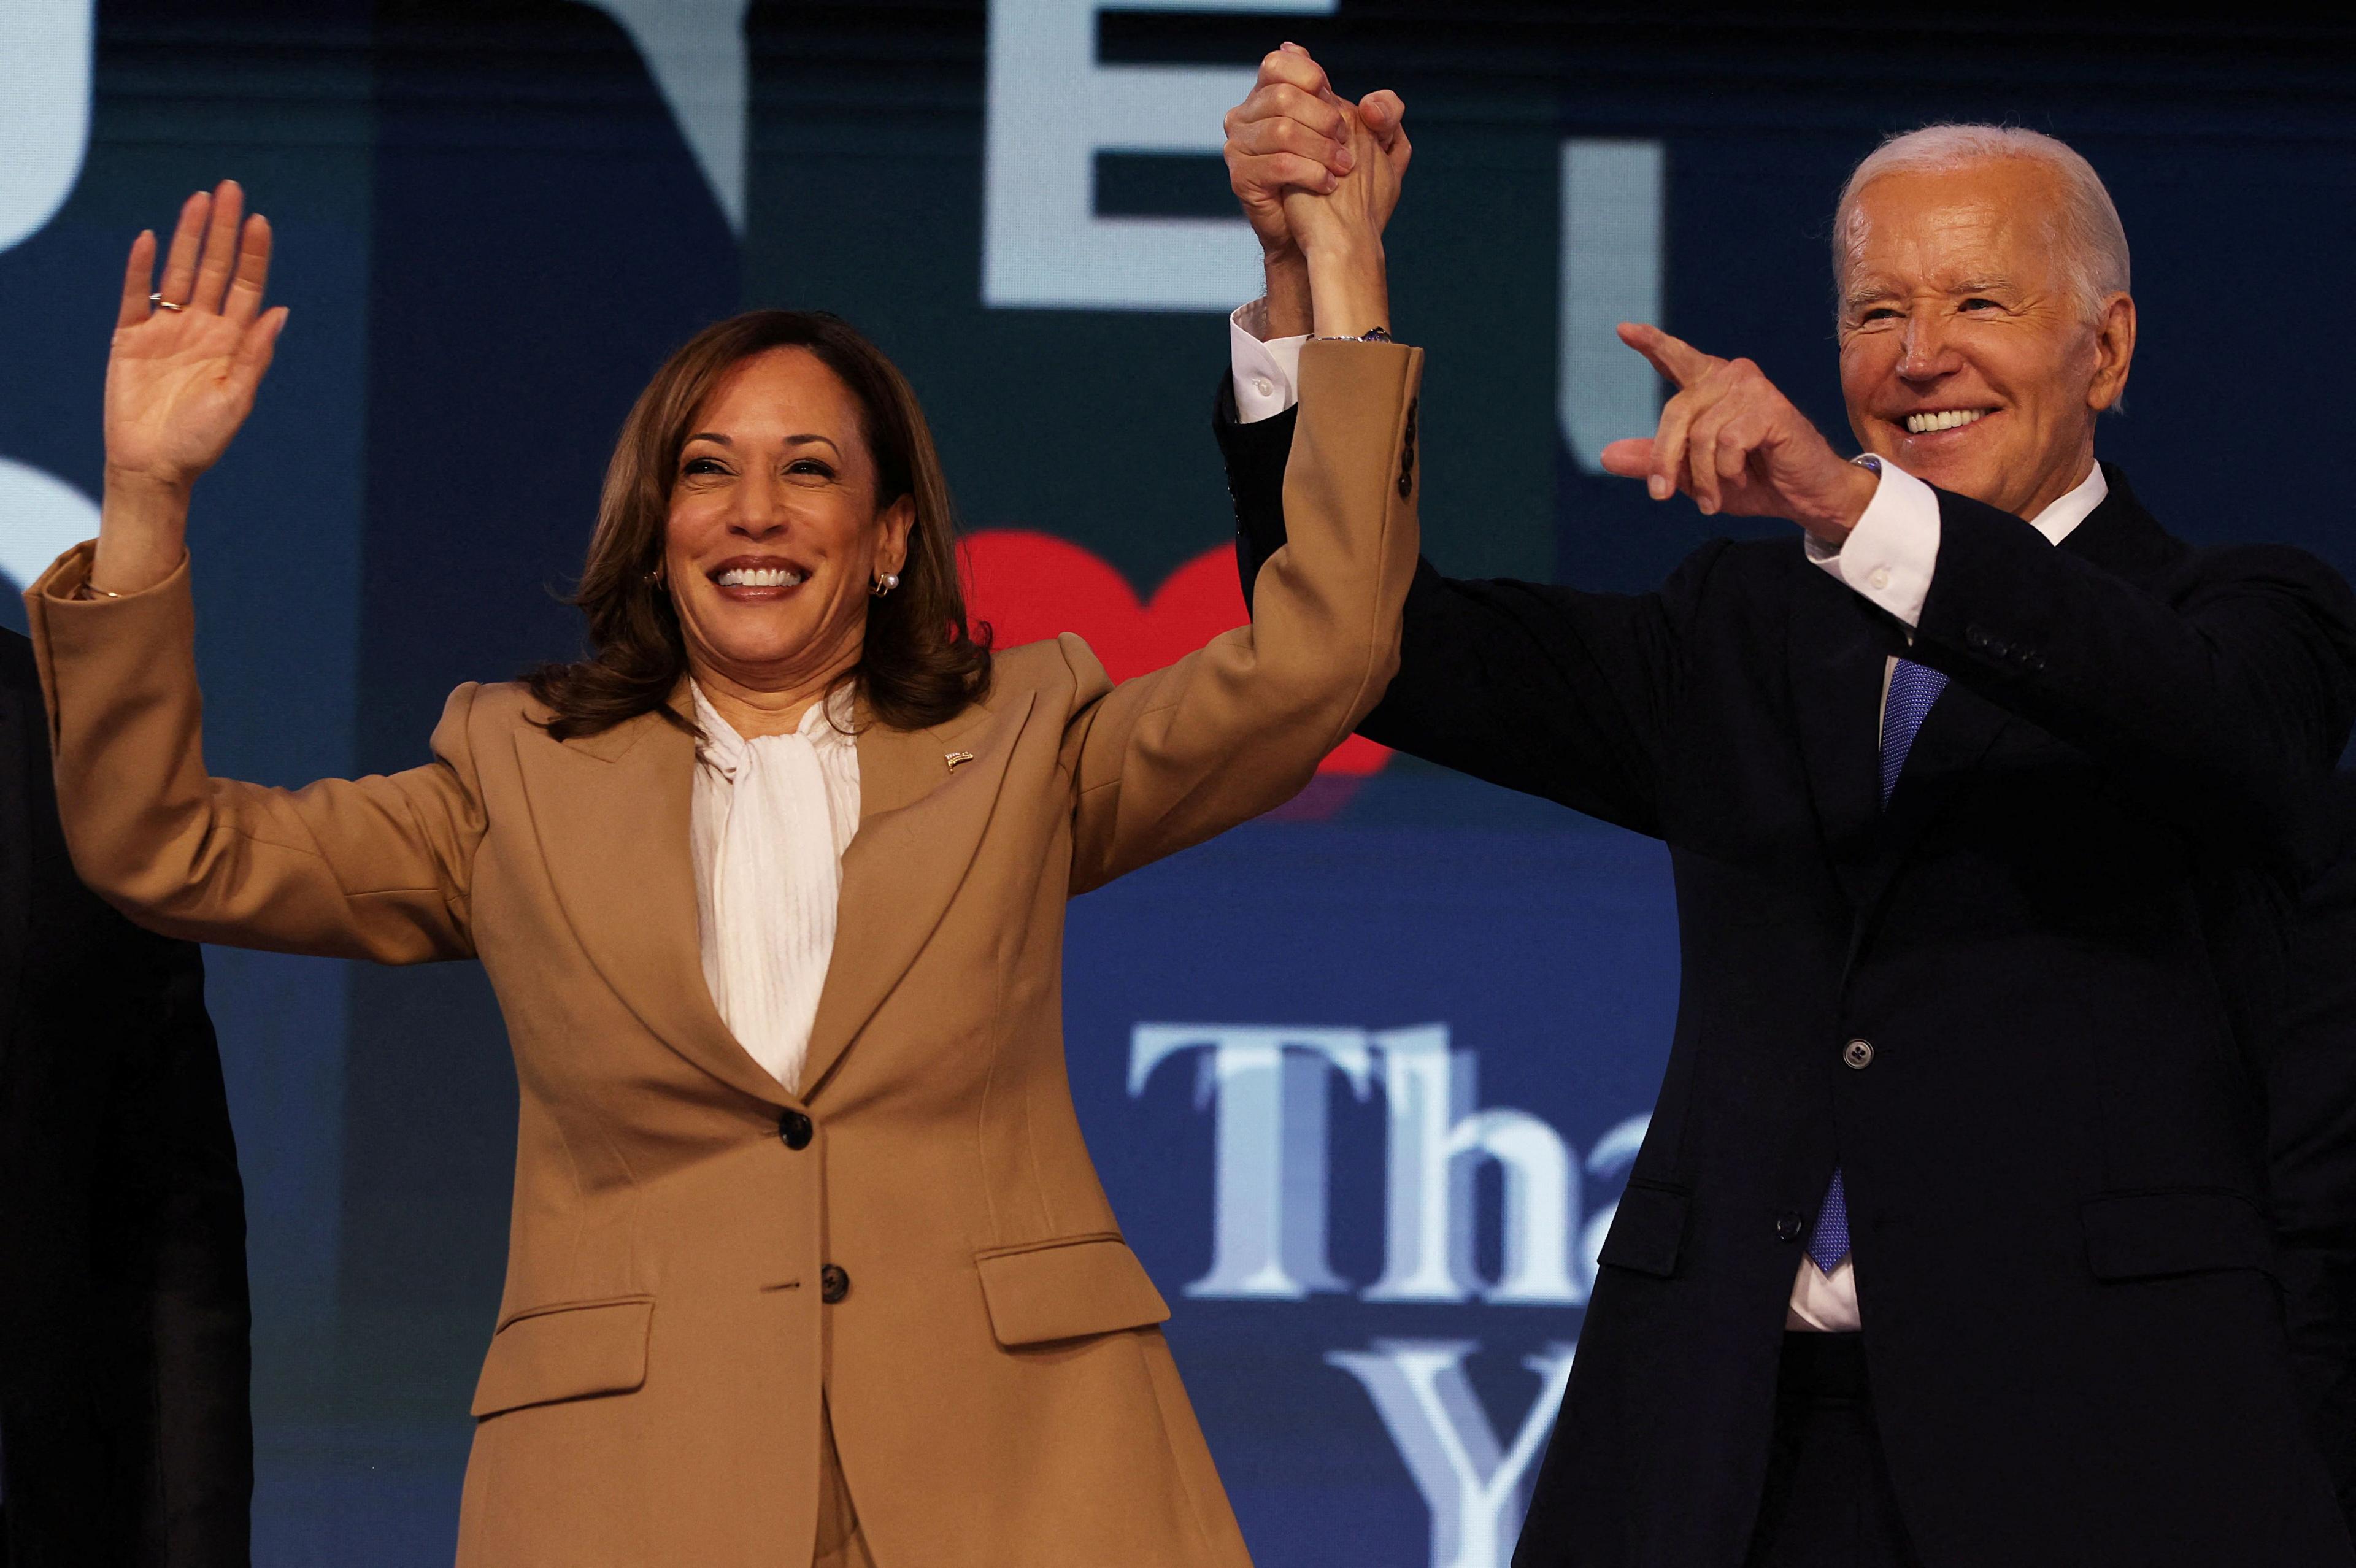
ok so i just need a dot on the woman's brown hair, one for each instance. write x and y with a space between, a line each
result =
921 662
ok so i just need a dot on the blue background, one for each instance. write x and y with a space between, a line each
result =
492 230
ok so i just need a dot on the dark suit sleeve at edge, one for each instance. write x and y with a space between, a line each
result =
2235 698
164 1216
191 1205
2311 1157
1539 689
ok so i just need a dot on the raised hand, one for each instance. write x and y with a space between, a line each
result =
189 354
1292 134
1340 233
181 380
1353 210
1735 445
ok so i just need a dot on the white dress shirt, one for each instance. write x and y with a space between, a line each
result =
769 821
1267 372
1889 558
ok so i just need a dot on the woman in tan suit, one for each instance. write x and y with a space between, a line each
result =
809 1262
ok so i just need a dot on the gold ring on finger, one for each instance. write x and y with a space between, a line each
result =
160 303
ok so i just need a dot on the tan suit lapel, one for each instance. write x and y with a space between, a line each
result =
611 812
921 820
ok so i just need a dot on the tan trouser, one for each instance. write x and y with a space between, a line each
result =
840 1544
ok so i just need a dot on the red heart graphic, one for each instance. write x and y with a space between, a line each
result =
1031 586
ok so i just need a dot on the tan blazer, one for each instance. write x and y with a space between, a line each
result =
697 1256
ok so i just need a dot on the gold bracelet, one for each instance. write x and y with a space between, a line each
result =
88 590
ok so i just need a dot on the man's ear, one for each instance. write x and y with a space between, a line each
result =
2115 341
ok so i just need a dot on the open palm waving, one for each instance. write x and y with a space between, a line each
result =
181 380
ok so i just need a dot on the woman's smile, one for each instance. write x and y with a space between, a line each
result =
757 580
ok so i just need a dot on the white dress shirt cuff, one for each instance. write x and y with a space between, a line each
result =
1890 555
1268 374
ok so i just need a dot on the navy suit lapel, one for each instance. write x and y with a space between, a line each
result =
1956 736
1964 729
1838 645
2122 537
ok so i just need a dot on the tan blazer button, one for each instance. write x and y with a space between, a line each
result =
795 1129
1859 1053
833 1283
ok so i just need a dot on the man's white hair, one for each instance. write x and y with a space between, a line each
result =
2086 227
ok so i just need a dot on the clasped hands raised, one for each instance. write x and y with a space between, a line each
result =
1727 437
1310 168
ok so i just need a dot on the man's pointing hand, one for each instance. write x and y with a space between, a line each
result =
1735 445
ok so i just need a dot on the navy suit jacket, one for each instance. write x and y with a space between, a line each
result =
124 1317
2312 1111
2064 939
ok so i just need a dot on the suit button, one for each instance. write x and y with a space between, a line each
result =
795 1129
1789 1224
1977 639
1857 1053
833 1283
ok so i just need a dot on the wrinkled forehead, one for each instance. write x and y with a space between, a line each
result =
1992 221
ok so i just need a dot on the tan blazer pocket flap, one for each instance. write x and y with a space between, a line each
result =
569 1351
1065 1290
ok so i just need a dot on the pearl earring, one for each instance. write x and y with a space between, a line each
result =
886 582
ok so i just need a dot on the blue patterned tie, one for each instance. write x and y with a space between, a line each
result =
1912 690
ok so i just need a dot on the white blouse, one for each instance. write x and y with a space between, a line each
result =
770 819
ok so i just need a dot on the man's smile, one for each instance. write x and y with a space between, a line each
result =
1931 421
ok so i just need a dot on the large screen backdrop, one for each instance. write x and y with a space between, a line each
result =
1363 1078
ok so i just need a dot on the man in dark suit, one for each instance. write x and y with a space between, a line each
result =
1950 1243
2311 1103
124 1432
